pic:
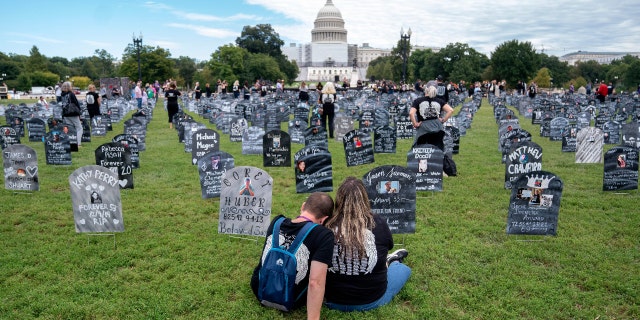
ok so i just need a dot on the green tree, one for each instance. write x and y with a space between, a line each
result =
155 64
419 59
228 62
543 78
262 66
514 60
186 69
103 62
560 71
43 78
591 70
23 83
632 76
289 68
36 61
457 61
81 82
260 39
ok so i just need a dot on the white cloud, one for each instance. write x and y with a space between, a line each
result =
35 37
205 31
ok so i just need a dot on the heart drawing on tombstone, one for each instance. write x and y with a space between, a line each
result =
123 182
116 221
32 171
81 221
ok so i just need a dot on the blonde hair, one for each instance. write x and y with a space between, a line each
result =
329 88
430 92
351 217
92 87
66 86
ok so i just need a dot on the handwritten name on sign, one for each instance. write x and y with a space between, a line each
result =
245 202
95 196
20 168
211 167
392 195
523 157
204 141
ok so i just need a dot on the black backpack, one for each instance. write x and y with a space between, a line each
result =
278 272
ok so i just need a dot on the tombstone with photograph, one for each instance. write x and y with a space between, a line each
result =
8 136
20 163
589 144
558 128
313 170
631 134
245 202
342 123
238 126
211 167
367 121
392 195
534 204
358 148
297 129
620 169
57 148
98 126
95 197
276 150
611 131
425 161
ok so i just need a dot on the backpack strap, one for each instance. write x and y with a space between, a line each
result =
275 234
302 234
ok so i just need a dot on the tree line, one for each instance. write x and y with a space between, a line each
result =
256 54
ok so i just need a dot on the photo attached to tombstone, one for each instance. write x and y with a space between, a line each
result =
276 149
534 204
358 148
95 197
392 195
425 161
620 169
245 202
211 167
57 148
8 136
313 170
20 163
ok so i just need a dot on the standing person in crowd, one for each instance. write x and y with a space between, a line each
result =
73 119
303 92
172 102
602 91
327 99
443 91
58 91
319 87
533 90
236 89
45 104
589 86
313 256
610 91
198 92
207 90
218 87
156 87
103 92
93 102
138 93
417 87
426 116
363 276
246 91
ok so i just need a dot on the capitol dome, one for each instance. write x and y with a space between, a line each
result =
329 25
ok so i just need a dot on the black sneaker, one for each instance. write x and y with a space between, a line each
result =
397 255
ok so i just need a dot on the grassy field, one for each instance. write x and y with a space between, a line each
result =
170 263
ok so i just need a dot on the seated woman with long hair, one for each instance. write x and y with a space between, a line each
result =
363 275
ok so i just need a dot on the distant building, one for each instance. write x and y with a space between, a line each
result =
599 57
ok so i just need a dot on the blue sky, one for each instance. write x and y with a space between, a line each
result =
197 28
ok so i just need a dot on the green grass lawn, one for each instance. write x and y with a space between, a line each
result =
170 263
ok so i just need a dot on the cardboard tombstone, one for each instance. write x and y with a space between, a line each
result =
20 163
132 143
95 197
392 195
590 142
245 202
384 140
18 124
451 140
237 128
204 141
367 121
316 136
116 157
558 128
211 167
37 129
313 170
570 140
425 161
611 131
98 126
297 129
631 135
620 169
86 130
343 123
523 157
8 136
189 131
252 140
57 148
534 204
276 149
358 148
138 129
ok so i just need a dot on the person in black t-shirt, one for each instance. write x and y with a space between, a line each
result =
172 102
93 102
363 276
315 251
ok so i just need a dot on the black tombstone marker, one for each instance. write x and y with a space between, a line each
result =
138 129
57 148
18 124
523 157
8 136
252 140
37 129
211 167
358 148
631 134
316 136
132 143
313 170
367 121
245 202
95 196
384 140
86 130
570 140
297 129
98 126
620 169
276 146
20 164
392 195
342 124
534 204
611 131
204 141
425 161
237 129
451 140
558 128
189 132
116 157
